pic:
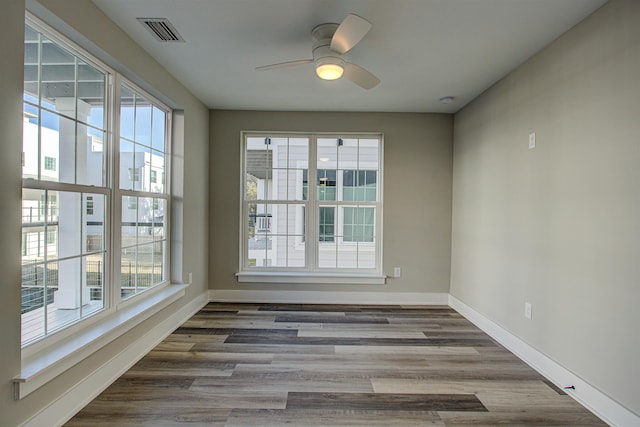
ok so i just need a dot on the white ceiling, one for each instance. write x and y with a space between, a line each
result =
422 50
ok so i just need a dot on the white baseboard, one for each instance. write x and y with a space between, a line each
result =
73 400
587 395
328 297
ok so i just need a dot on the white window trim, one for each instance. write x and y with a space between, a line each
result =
312 274
50 356
119 193
40 367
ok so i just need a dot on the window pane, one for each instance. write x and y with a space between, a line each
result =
128 268
348 154
127 110
369 154
347 256
91 93
159 223
259 224
90 156
129 221
275 167
140 175
258 167
30 124
295 251
326 224
359 185
328 255
127 169
94 208
287 184
326 184
143 244
156 167
31 64
158 262
251 187
298 153
55 226
358 224
327 153
57 73
58 141
280 150
158 129
142 132
276 235
366 255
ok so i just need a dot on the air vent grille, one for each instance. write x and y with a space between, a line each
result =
161 29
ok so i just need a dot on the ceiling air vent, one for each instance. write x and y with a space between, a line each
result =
161 29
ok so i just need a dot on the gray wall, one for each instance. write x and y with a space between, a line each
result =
417 193
85 21
559 225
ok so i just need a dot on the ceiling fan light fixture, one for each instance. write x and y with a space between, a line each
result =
329 71
329 68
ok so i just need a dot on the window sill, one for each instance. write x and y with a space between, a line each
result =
43 366
311 278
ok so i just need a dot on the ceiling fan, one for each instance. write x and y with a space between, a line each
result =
331 43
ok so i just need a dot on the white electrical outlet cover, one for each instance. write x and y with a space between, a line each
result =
527 310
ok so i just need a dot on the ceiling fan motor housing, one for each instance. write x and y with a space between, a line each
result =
322 52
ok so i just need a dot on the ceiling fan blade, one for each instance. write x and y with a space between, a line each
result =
284 64
360 76
350 31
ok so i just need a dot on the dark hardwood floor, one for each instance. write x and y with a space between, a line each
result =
317 365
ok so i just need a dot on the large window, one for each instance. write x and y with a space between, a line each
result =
73 233
144 199
332 226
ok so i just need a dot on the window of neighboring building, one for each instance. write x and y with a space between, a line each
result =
359 224
331 226
359 185
67 102
89 205
49 163
326 223
134 174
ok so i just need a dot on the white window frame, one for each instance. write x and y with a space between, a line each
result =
119 193
47 357
312 273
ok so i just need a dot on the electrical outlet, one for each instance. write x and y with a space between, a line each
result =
532 140
397 272
190 278
527 310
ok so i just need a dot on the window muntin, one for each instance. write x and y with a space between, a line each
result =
67 197
276 191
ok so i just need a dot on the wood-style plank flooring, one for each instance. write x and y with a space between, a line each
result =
328 365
